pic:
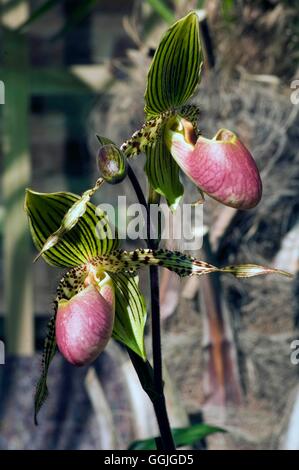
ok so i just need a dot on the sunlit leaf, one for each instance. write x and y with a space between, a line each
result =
130 313
181 436
91 236
175 69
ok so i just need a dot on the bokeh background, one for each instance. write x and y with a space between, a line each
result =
75 68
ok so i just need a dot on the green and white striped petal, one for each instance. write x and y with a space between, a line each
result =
175 69
71 218
130 312
91 235
163 173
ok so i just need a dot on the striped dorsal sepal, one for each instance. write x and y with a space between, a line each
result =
175 70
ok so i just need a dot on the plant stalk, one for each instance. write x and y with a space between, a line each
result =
160 404
157 398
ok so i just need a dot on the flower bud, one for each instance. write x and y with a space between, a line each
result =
111 161
84 323
221 167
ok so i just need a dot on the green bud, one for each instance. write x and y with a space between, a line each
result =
111 161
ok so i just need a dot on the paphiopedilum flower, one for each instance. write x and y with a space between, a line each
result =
84 323
221 167
99 296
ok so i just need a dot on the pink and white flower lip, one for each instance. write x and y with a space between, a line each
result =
221 167
84 323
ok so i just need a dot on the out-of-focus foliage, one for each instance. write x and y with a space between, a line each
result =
182 436
275 24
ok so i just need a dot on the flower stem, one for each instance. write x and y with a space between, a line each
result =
137 188
160 404
158 398
141 198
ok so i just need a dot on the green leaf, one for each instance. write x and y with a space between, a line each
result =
181 436
163 173
175 69
90 237
130 313
50 349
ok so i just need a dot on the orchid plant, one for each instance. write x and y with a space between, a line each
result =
99 296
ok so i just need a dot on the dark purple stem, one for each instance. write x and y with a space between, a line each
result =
158 398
